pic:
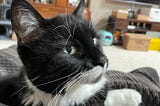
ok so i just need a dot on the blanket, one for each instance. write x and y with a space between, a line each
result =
9 61
144 80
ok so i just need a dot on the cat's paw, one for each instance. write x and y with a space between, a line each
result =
123 97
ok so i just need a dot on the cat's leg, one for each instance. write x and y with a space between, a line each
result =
123 97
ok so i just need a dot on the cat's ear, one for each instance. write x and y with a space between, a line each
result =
25 19
79 11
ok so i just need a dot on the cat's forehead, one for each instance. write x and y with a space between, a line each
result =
72 25
69 30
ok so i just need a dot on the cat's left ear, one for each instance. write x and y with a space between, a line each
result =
80 10
25 19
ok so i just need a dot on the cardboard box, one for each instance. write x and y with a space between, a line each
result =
120 14
133 41
142 17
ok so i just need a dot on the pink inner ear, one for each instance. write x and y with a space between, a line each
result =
25 19
29 23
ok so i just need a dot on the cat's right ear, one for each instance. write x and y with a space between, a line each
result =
25 19
79 11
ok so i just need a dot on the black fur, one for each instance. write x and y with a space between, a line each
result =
10 85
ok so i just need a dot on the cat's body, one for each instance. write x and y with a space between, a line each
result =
63 63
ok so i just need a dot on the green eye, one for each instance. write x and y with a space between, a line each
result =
70 50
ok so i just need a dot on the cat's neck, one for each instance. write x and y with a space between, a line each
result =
78 96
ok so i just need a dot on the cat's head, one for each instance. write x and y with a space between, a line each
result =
58 50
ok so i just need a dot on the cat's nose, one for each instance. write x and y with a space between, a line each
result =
102 61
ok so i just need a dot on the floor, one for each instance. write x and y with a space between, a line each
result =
6 43
119 58
125 60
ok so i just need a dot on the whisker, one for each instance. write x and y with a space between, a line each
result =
69 30
65 86
77 83
75 26
57 93
96 19
56 79
68 40
67 25
74 84
32 80
61 26
59 66
57 96
18 91
24 86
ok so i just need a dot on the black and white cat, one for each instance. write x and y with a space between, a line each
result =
64 64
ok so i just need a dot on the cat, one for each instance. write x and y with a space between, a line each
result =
63 60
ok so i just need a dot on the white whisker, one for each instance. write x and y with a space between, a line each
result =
25 85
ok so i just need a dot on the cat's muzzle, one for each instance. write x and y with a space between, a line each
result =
94 75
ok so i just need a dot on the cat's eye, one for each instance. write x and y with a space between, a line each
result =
95 41
70 50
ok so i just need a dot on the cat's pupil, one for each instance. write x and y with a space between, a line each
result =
70 50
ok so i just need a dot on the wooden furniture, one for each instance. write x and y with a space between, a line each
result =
119 26
132 25
55 7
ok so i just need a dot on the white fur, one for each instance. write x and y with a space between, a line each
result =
37 97
82 93
78 94
123 97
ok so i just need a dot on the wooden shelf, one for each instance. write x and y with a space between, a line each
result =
122 24
137 30
57 7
